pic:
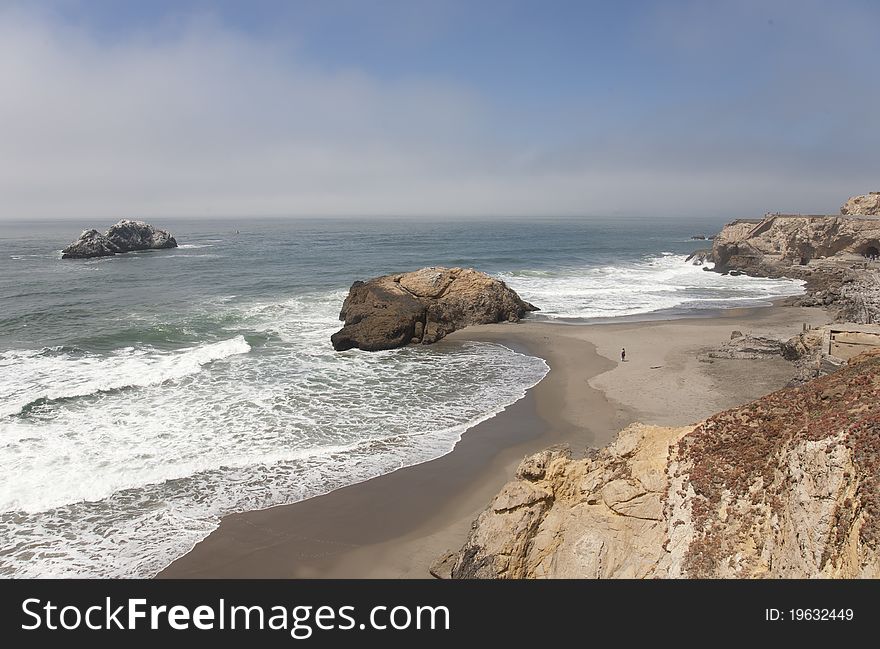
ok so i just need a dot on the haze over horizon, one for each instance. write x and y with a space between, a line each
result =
270 108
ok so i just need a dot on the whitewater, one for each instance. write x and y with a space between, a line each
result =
146 396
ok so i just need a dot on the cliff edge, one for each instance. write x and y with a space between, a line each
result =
836 255
786 486
779 244
865 204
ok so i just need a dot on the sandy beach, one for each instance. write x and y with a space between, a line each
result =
396 525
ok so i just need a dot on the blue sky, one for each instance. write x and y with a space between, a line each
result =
431 108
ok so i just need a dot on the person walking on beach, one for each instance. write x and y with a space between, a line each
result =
623 354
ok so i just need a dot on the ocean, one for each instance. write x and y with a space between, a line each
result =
145 396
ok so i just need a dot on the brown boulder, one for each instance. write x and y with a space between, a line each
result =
422 307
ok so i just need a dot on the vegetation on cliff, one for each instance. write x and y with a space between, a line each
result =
786 486
746 467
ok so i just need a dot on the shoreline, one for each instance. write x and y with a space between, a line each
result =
396 525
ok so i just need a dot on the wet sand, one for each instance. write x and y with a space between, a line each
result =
396 525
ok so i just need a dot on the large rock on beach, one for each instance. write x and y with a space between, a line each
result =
747 347
125 236
422 307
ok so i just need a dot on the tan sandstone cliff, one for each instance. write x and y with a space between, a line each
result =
865 204
787 486
834 254
775 244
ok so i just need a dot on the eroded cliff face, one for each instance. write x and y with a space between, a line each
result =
787 486
778 245
865 204
830 253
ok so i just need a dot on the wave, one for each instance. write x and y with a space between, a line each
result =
36 378
658 282
147 537
159 469
112 481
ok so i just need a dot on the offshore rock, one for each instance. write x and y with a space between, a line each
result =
137 235
700 257
422 307
91 243
124 236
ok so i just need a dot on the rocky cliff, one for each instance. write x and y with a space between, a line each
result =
779 244
124 236
835 255
787 486
865 204
422 307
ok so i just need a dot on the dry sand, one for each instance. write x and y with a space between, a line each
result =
396 525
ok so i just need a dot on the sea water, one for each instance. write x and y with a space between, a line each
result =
145 396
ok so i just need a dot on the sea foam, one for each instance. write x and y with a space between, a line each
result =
139 461
30 378
654 283
123 459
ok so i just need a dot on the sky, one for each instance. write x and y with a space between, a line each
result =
426 109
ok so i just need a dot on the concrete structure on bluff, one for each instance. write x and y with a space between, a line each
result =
771 246
846 340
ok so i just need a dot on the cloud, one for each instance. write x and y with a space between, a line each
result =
208 121
201 119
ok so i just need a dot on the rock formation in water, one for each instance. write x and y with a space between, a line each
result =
125 236
787 486
91 243
700 257
137 235
422 307
865 204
